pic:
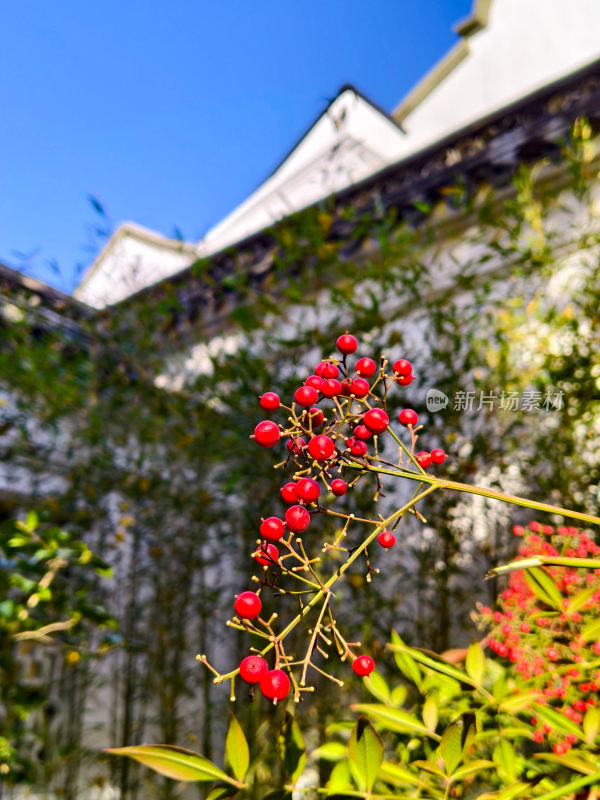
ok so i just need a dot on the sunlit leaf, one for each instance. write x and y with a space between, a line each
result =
236 749
569 760
366 751
340 778
399 776
569 788
475 662
451 746
405 663
430 713
394 719
543 587
471 767
557 720
331 751
175 762
591 723
377 686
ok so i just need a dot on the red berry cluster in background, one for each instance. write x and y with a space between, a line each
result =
556 650
330 439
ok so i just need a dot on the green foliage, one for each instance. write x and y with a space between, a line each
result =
44 581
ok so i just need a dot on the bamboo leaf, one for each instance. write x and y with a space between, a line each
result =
293 747
394 719
451 746
430 713
175 762
405 663
591 630
366 751
518 702
557 720
430 767
543 587
236 749
475 662
563 791
544 561
377 686
591 723
331 751
399 776
470 767
570 761
442 667
578 600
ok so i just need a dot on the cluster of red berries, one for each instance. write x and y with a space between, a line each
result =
549 648
335 415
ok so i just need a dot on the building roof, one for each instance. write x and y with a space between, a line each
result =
508 50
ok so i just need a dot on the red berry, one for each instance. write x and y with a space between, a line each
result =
405 380
359 387
266 554
366 367
386 539
269 401
272 528
308 490
321 447
331 387
346 389
267 433
347 344
247 605
314 417
315 381
402 367
275 685
438 456
288 494
319 369
376 420
424 459
363 665
338 487
252 668
296 444
362 432
297 519
518 530
408 417
328 370
306 396
356 446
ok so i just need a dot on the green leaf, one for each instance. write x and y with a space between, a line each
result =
557 720
591 630
32 520
366 751
470 767
222 793
518 702
340 778
394 719
451 746
569 760
331 751
430 713
591 723
399 776
236 749
398 696
543 587
292 747
443 668
563 791
175 762
405 663
506 760
429 766
508 794
578 600
475 662
377 686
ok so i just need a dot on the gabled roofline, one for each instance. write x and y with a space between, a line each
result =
134 231
346 87
477 21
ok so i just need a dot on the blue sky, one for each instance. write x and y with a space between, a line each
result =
171 113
